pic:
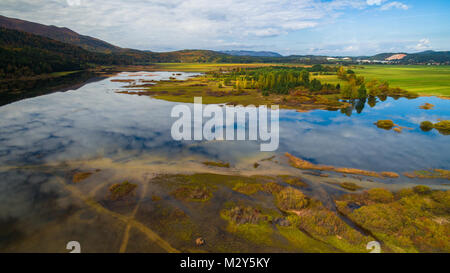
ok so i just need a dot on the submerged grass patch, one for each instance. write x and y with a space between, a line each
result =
121 190
385 124
429 174
247 188
217 164
349 186
443 126
426 126
193 193
293 180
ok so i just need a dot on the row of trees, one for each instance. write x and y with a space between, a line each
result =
281 80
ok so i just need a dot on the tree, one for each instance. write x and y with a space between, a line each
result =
341 73
372 101
362 92
315 85
304 75
372 87
360 105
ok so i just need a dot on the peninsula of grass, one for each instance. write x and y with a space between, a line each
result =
300 88
306 165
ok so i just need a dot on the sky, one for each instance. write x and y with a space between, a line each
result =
319 27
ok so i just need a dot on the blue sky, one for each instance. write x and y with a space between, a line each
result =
332 27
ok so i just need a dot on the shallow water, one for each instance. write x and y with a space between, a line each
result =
128 137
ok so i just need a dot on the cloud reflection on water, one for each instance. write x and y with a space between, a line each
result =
95 121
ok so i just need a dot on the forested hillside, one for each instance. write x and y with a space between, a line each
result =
24 54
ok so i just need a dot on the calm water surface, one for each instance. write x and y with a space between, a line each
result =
95 121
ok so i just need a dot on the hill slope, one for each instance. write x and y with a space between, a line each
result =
415 58
64 35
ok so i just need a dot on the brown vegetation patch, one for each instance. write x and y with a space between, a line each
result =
303 164
426 106
390 174
217 164
118 80
356 171
78 177
349 186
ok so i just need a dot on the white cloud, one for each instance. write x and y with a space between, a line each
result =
394 4
74 2
163 24
387 6
374 2
423 44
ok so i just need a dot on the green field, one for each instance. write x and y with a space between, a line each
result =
422 79
332 79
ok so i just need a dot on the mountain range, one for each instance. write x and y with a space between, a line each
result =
251 53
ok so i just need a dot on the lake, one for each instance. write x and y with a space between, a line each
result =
45 139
